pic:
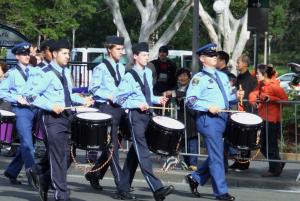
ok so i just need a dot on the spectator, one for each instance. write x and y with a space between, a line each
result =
248 83
166 72
183 78
264 97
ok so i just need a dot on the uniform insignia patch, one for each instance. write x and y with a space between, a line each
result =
195 81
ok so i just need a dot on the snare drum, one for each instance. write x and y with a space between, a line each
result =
7 122
164 135
84 109
243 130
90 130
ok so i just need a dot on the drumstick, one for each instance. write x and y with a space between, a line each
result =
74 107
164 107
241 98
231 111
161 108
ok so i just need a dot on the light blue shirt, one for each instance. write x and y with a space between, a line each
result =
203 91
46 89
103 84
13 85
129 94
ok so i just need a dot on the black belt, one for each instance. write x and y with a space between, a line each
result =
98 104
140 111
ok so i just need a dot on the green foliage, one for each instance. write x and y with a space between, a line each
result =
51 19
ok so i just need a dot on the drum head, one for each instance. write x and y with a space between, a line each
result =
94 116
5 113
246 118
168 122
84 109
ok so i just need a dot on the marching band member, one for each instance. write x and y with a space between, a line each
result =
135 93
51 91
208 93
11 90
105 80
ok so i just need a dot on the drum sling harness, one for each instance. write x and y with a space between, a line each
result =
112 71
21 72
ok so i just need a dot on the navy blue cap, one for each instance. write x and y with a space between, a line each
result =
21 48
46 44
140 47
116 40
60 44
209 50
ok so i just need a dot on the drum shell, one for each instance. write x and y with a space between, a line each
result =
90 134
162 140
243 136
7 129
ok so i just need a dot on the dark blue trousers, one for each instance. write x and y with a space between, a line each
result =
138 154
25 153
212 127
58 131
116 113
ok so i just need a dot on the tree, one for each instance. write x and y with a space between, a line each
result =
233 34
151 19
48 18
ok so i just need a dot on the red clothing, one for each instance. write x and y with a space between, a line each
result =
273 92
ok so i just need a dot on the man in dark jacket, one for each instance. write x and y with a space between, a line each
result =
166 72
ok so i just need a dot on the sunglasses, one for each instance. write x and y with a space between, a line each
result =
25 54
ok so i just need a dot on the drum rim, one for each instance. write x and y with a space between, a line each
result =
77 112
7 116
93 120
169 129
249 125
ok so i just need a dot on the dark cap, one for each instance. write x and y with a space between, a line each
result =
140 47
208 50
164 48
46 44
60 44
21 48
116 40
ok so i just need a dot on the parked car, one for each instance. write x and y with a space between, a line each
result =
285 79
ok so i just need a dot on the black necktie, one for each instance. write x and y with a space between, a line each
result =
118 75
147 91
222 91
68 101
27 73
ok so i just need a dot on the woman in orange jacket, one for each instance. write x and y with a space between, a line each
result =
267 92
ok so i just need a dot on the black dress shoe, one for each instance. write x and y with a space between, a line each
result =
94 181
43 191
122 195
161 193
12 179
193 185
32 178
11 153
226 196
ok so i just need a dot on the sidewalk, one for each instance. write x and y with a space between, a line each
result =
250 178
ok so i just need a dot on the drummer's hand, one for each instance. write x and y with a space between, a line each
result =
144 106
167 93
214 109
163 100
88 101
240 94
58 109
22 101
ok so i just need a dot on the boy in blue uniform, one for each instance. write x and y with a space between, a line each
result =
208 94
11 90
105 80
51 91
135 93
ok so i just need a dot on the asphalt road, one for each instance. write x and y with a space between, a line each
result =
81 191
